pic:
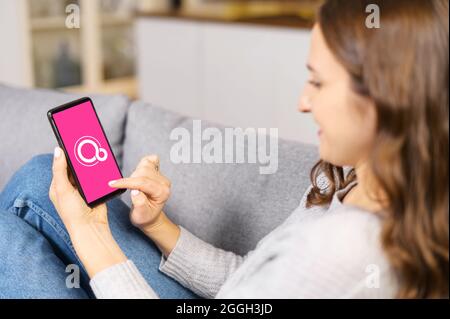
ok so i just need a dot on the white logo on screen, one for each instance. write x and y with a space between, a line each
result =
100 153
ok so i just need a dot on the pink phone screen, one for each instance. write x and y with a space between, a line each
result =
88 150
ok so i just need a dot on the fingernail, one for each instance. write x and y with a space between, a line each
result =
57 152
111 183
134 192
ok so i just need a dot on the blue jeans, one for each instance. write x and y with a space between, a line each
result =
35 247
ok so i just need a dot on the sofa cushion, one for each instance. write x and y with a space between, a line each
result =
229 205
25 130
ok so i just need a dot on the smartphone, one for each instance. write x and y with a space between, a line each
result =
89 155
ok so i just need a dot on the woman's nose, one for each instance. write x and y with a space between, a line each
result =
305 104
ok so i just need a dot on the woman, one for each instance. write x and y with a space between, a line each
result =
377 229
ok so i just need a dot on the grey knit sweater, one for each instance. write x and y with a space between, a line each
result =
320 252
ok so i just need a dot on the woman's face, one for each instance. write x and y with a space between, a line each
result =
346 120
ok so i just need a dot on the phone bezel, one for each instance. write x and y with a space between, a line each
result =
66 106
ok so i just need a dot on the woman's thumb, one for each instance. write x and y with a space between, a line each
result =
60 171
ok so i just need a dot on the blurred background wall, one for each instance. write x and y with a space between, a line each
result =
239 63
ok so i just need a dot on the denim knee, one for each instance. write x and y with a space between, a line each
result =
32 180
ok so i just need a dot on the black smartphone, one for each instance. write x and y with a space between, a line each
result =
89 155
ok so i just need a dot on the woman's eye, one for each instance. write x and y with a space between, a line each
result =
316 84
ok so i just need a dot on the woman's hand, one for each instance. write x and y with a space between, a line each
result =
71 207
150 191
88 227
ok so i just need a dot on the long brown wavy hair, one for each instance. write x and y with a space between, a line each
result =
403 67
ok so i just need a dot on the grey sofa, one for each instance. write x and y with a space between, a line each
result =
231 206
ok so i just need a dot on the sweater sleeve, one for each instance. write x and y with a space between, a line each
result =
195 264
121 281
317 259
199 266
